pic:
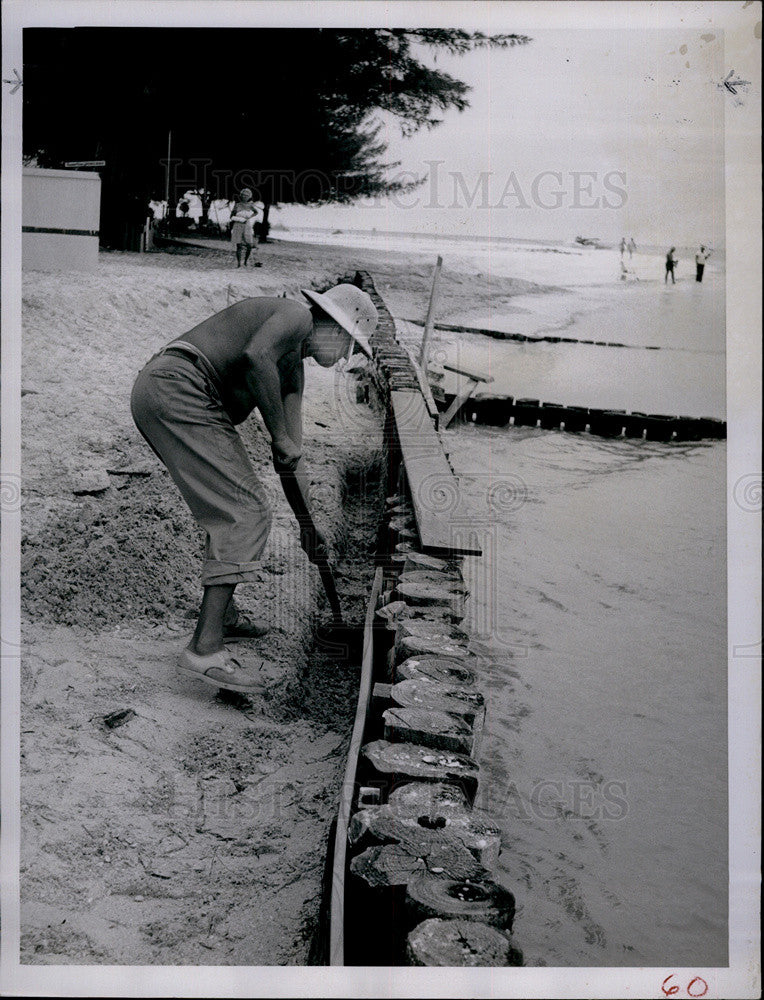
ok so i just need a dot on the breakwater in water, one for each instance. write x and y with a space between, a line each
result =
503 411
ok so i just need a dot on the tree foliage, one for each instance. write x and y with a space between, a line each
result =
294 113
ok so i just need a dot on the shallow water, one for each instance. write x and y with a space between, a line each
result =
684 376
602 595
602 598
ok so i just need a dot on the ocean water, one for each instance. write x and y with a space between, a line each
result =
601 596
601 599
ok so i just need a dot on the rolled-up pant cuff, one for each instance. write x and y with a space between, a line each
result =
215 573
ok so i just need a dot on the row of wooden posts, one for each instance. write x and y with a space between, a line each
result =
421 864
503 411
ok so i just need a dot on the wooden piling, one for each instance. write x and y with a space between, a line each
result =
460 943
377 889
527 412
421 692
575 419
399 763
383 824
434 895
430 728
438 668
417 645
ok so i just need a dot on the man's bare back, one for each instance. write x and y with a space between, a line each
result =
239 339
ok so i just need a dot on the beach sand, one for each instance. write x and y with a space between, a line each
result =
195 832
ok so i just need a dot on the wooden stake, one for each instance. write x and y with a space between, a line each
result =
429 322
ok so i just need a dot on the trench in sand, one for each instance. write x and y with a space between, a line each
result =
195 832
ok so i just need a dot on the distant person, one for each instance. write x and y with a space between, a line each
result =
623 246
243 211
631 246
195 209
158 208
187 401
671 263
700 262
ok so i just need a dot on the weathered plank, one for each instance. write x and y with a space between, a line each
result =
468 373
443 517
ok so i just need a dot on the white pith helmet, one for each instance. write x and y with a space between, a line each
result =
352 308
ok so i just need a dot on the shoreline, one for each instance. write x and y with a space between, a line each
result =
146 814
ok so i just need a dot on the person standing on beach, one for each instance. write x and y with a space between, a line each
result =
671 262
187 401
244 211
623 246
631 246
700 262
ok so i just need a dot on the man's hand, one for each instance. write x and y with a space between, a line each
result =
314 544
286 454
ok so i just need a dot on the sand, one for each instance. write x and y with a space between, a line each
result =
193 832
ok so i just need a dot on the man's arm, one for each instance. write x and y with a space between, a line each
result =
280 335
294 481
293 386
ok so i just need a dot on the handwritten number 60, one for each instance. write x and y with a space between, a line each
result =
696 987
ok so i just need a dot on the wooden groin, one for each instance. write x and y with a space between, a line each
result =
411 871
527 338
473 404
506 411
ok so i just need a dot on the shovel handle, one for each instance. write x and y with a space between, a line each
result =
327 578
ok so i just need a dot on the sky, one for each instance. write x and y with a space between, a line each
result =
603 133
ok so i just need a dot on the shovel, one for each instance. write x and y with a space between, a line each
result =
335 639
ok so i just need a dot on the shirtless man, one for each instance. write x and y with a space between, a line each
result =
186 403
